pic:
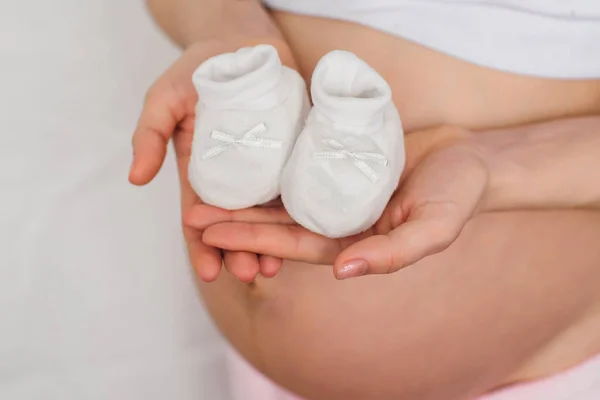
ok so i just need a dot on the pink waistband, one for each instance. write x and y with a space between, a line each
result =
579 383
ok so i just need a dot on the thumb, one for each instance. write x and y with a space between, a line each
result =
427 231
163 110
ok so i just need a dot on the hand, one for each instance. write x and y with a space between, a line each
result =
169 111
444 181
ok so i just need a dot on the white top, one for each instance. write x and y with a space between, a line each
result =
545 38
97 300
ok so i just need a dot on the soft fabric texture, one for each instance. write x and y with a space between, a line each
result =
545 38
349 157
249 114
579 383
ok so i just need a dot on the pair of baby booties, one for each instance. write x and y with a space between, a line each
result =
335 164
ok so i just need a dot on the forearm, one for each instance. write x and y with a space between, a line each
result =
550 165
224 25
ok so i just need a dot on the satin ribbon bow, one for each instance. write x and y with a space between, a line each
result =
249 139
360 159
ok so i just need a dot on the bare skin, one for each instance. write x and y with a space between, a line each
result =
450 326
514 298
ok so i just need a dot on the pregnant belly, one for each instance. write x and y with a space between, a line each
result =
516 297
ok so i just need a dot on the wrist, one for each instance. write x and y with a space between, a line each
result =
218 26
236 24
240 19
216 45
548 165
502 175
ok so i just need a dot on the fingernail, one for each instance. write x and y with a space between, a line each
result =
352 269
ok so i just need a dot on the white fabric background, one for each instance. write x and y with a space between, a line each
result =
97 300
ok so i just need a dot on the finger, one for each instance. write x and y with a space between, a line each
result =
269 265
427 231
289 242
160 115
242 265
201 216
206 260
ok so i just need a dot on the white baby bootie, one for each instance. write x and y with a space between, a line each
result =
348 159
249 114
